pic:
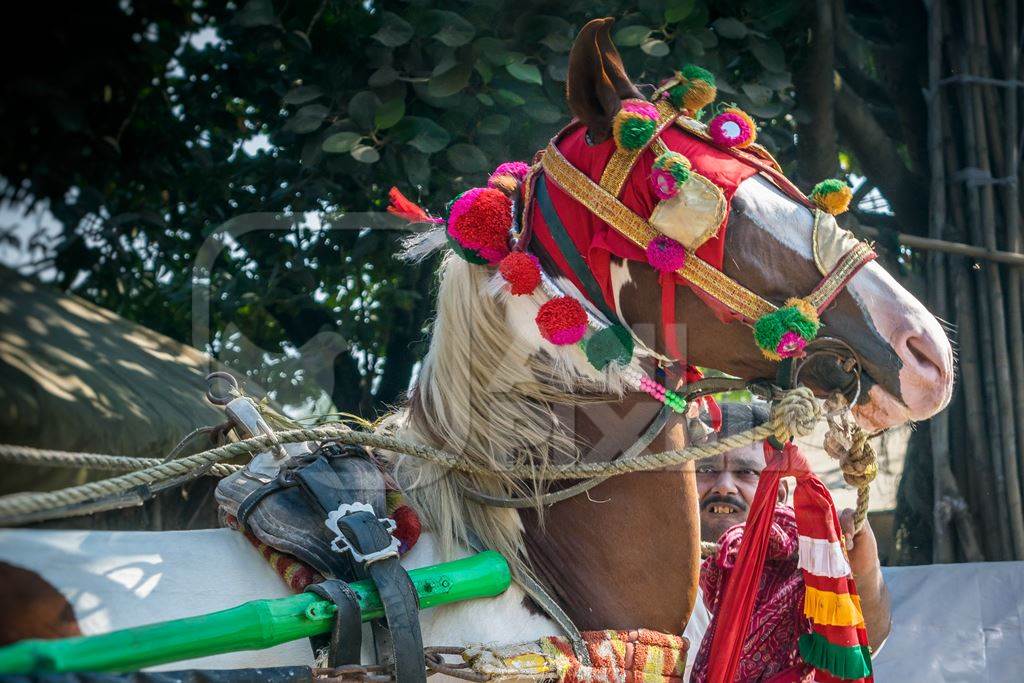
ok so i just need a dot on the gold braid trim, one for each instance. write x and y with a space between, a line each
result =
602 204
851 262
615 173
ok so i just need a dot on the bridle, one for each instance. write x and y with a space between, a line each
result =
602 199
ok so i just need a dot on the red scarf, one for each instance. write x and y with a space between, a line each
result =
837 646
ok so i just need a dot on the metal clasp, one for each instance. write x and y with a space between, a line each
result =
341 544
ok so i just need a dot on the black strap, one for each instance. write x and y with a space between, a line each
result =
347 631
570 252
366 536
253 499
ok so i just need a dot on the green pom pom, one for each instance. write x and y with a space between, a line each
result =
610 345
828 187
768 329
849 663
694 72
636 132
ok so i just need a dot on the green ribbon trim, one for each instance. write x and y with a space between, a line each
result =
842 662
467 254
570 253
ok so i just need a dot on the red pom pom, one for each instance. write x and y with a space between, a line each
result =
480 220
407 527
522 271
562 320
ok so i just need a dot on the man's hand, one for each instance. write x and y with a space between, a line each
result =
867 572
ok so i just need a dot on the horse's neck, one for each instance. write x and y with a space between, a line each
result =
626 554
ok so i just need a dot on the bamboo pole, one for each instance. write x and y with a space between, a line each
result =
1011 206
942 543
999 333
944 246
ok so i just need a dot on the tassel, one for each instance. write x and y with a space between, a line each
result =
842 662
403 208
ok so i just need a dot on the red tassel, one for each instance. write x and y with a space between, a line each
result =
403 208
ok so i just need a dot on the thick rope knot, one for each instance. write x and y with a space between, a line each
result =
794 414
859 465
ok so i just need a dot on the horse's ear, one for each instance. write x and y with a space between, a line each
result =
597 82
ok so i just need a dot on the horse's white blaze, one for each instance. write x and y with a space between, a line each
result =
116 580
785 221
915 335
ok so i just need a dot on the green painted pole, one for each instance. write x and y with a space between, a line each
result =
250 626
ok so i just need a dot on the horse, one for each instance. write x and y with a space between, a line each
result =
493 389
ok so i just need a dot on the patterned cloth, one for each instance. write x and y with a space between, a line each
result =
770 650
616 657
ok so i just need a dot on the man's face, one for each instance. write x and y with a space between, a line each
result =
726 485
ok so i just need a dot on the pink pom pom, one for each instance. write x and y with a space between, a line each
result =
516 169
791 344
665 254
645 109
732 128
664 183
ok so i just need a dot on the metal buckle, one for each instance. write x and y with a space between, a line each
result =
341 544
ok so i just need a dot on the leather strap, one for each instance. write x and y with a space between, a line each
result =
368 537
347 631
249 503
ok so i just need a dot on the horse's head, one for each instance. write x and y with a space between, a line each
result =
774 246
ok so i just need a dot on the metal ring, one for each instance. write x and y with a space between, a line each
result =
851 355
227 377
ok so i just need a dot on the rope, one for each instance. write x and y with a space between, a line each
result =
26 455
847 442
794 414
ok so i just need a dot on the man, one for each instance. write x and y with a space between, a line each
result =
726 485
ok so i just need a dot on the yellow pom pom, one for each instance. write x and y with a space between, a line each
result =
832 196
805 307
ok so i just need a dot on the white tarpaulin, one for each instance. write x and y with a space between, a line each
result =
961 623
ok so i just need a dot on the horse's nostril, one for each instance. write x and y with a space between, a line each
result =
924 356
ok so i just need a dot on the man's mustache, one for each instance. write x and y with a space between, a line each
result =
715 499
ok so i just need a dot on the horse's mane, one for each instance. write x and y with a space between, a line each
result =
486 395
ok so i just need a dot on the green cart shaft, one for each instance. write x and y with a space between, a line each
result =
250 626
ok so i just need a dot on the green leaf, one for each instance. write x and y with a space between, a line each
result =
429 137
495 124
256 13
417 168
485 99
302 94
450 82
757 93
394 30
508 98
389 113
528 73
493 50
655 47
386 75
728 27
362 109
769 54
632 36
467 158
307 119
557 42
544 111
365 154
677 10
484 69
455 31
339 143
